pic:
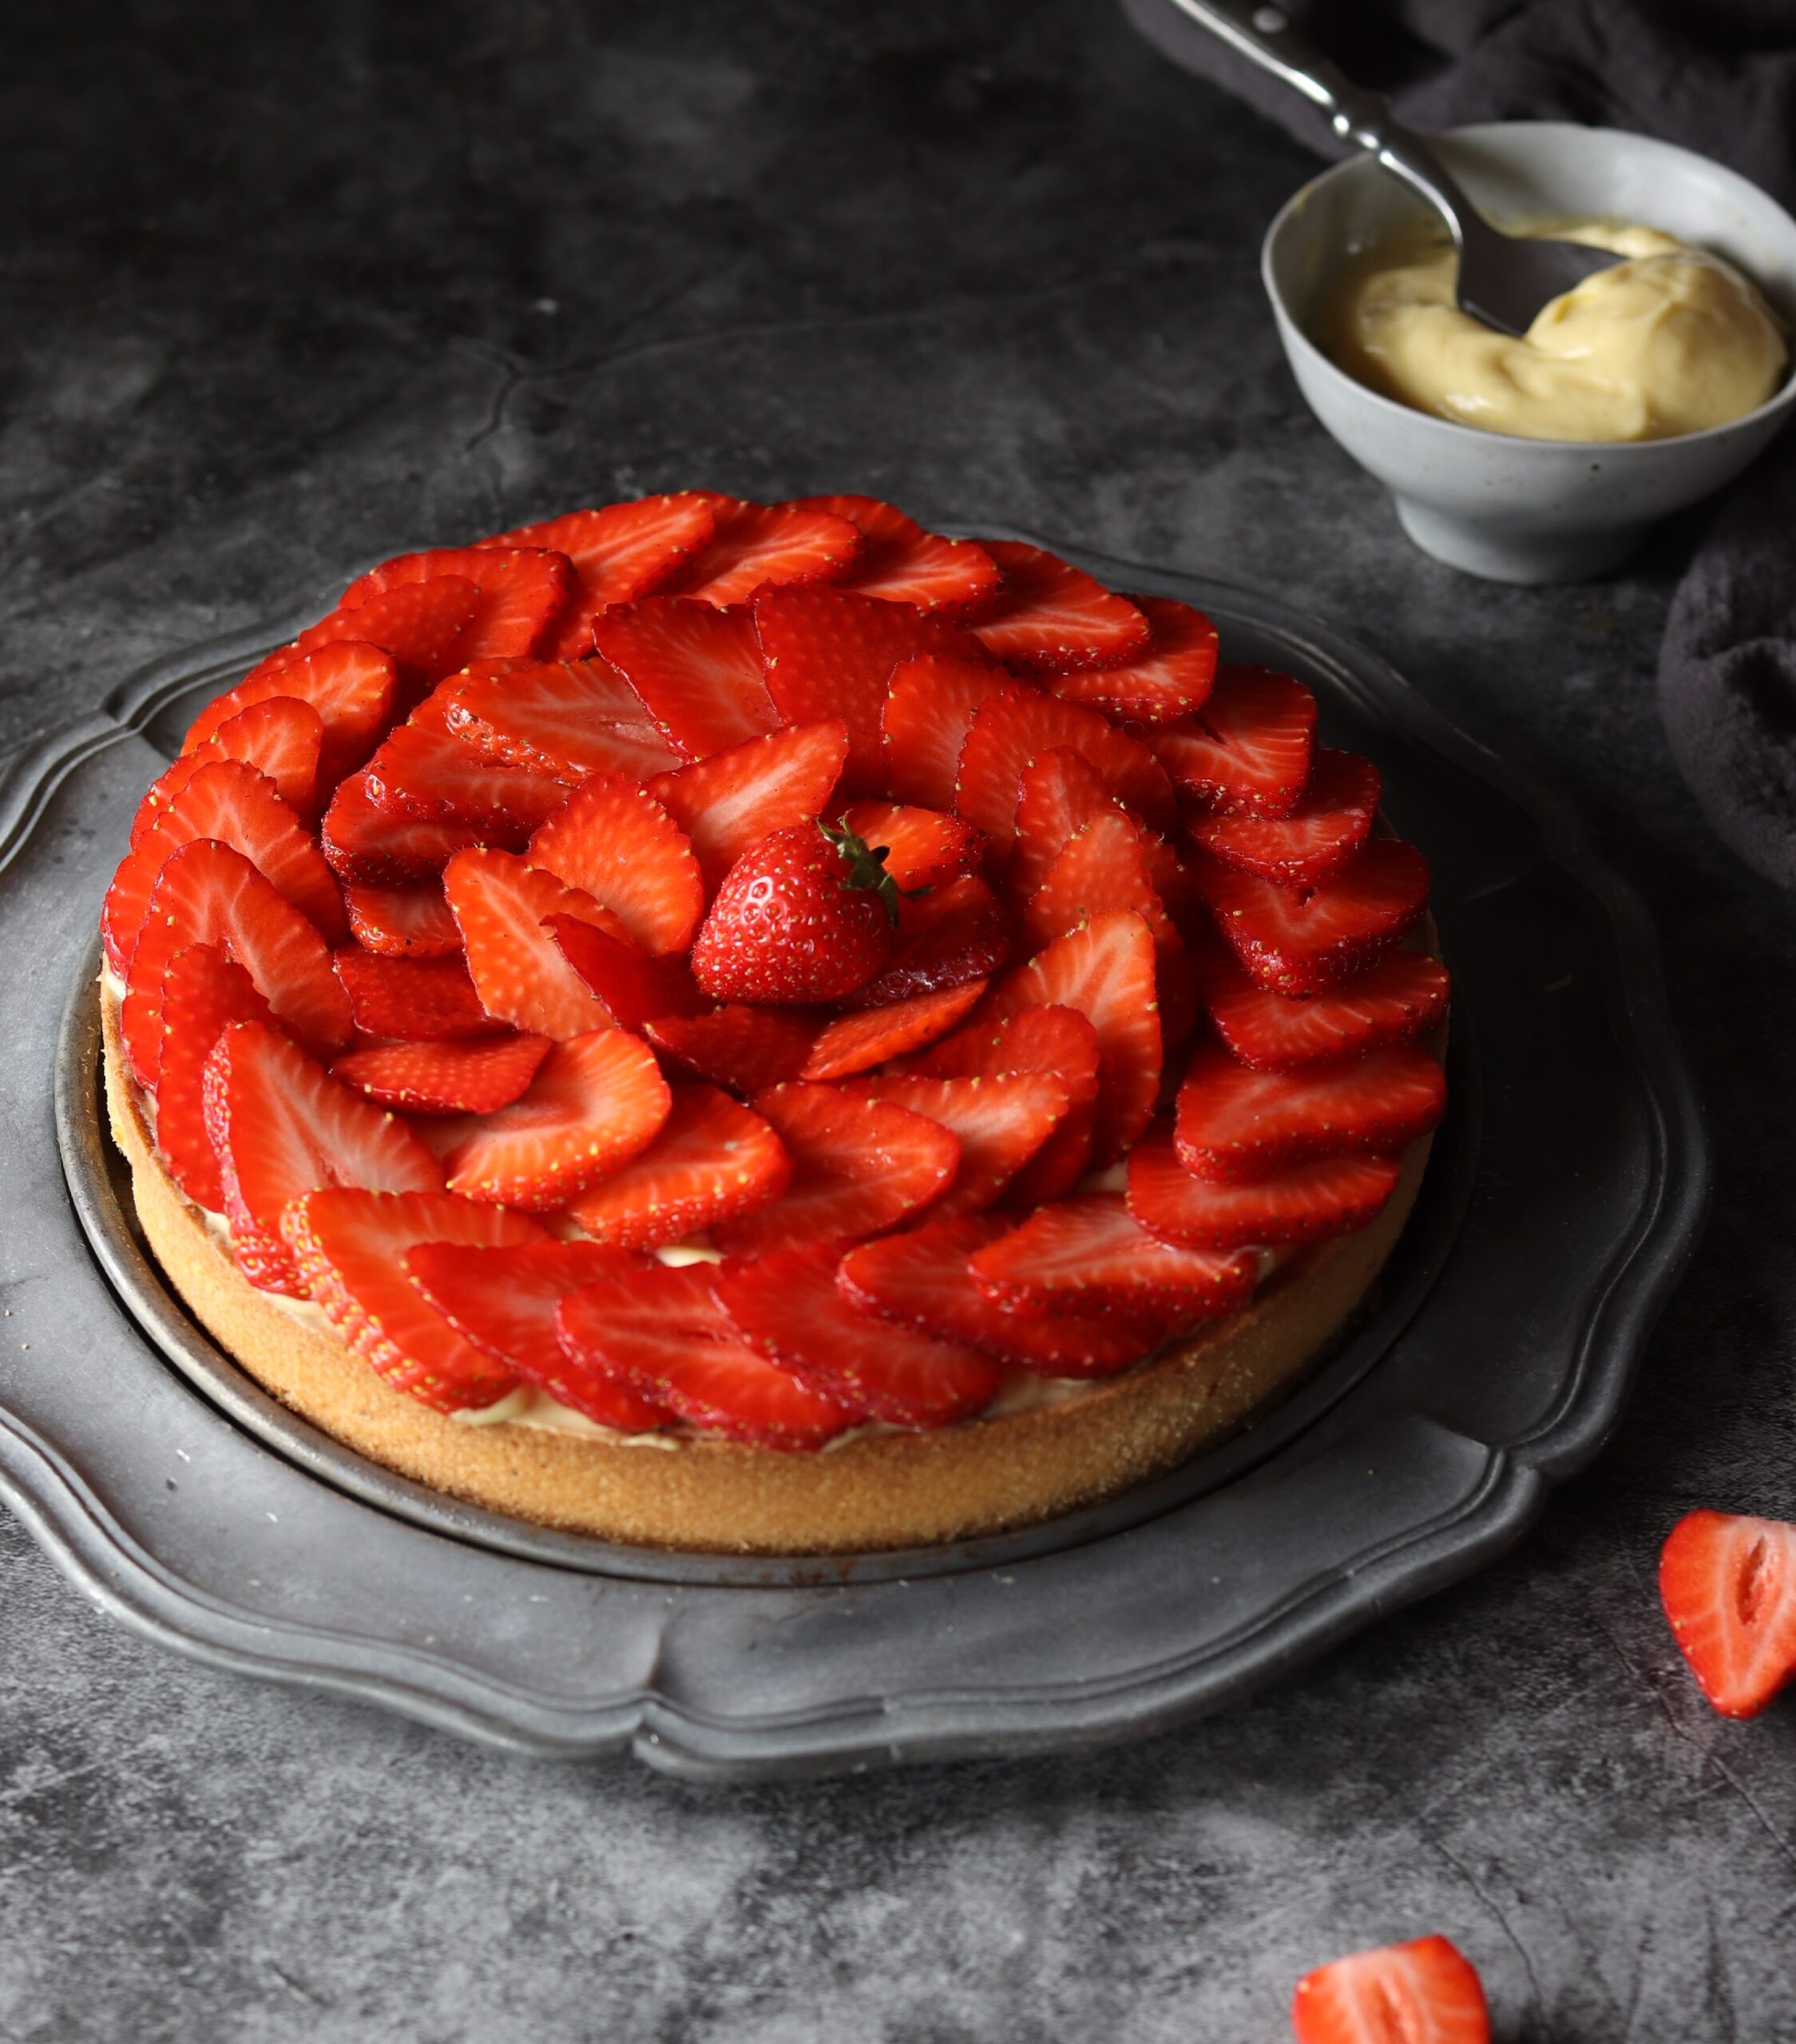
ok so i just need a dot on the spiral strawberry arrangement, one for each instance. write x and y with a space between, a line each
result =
950 945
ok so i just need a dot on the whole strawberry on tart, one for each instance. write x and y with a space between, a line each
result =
762 1027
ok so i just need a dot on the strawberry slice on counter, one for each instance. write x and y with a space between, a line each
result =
352 686
924 1278
744 1047
633 987
1106 972
349 1244
523 590
1424 1992
788 1307
924 847
230 804
1006 735
412 999
1308 1203
203 993
445 1076
1235 1125
1303 944
1091 1253
1000 1122
713 1160
618 552
1401 998
1100 869
1057 792
1170 679
923 724
905 564
519 970
1331 821
732 799
755 543
829 653
282 1125
597 1101
566 718
1728 1585
425 626
208 894
1052 615
421 773
1248 749
411 921
858 1042
616 843
661 1333
281 737
696 670
857 1167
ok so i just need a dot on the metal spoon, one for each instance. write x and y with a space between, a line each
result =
1504 280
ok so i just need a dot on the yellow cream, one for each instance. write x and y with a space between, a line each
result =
1671 341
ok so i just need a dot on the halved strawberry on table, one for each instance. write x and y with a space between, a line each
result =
522 593
1249 749
1304 942
1401 998
615 842
1052 615
1006 734
731 799
409 920
695 670
1089 1254
412 999
713 1160
1309 1203
566 718
1170 677
904 563
757 543
1728 1584
1333 819
203 992
351 685
1424 1992
923 724
444 1075
521 974
281 737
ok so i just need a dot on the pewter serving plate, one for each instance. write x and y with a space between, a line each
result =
1563 1197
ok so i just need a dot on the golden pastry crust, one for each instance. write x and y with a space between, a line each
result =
872 1491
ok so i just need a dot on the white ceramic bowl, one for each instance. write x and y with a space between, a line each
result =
1527 510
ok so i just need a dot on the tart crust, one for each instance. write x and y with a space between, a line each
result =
869 1491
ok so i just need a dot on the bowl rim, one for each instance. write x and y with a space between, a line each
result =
1291 328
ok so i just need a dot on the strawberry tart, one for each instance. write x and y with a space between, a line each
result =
759 1028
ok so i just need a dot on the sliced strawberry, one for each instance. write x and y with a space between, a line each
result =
1235 1124
1248 749
696 670
452 1076
618 553
1309 1203
713 1160
857 1167
1728 1585
1057 792
928 711
597 1101
924 847
787 1306
904 564
1051 615
503 1301
828 653
945 938
745 1048
1328 825
426 626
617 844
523 592
1089 1252
634 987
520 972
1106 972
1170 678
366 846
734 798
1101 868
1006 735
1399 1000
661 1333
352 686
1425 1992
231 804
1301 943
566 718
349 1245
203 993
924 1278
208 894
412 1000
281 1125
755 543
1001 1124
418 772
858 1042
402 922
281 737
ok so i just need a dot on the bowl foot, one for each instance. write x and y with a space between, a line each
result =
1502 553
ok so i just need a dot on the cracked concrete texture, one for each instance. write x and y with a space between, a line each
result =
288 295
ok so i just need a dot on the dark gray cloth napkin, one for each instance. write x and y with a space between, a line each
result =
1717 76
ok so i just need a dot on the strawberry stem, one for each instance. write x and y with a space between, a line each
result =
867 866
